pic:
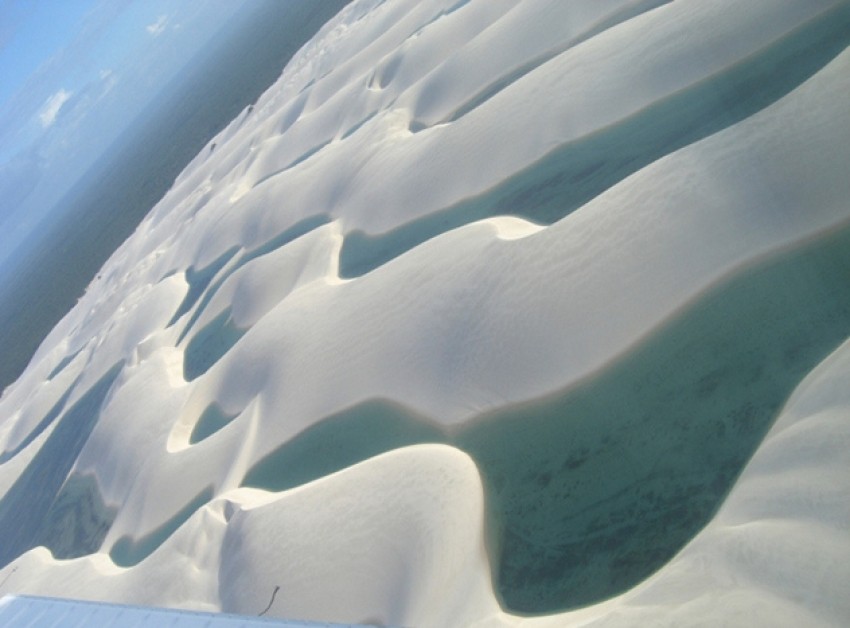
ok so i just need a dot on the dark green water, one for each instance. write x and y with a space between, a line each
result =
339 441
595 488
592 489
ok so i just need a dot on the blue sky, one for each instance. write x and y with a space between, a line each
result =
73 75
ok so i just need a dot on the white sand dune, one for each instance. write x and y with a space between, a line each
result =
295 375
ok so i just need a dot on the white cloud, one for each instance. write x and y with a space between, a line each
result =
51 107
157 27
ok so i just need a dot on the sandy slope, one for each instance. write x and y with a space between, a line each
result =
446 209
